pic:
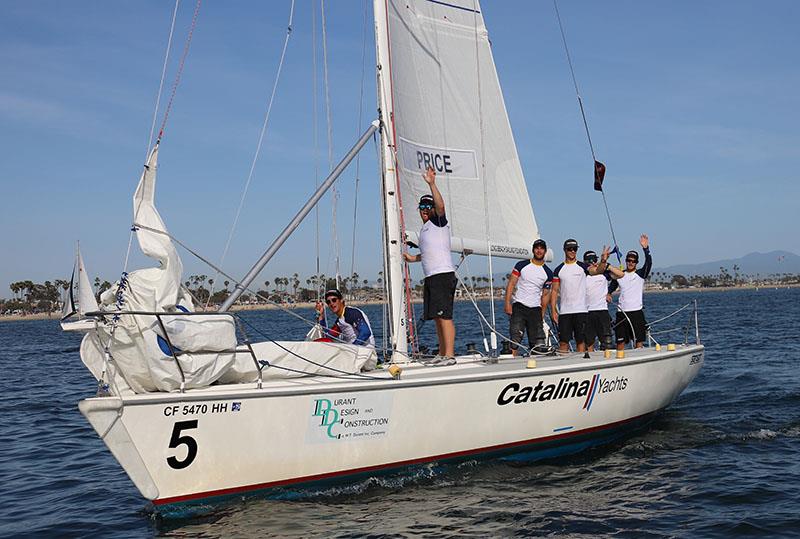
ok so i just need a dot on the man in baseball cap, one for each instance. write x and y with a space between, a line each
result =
568 306
527 297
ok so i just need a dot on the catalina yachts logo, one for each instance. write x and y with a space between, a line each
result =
515 393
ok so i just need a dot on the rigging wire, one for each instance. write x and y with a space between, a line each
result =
358 131
318 285
485 179
259 144
335 190
585 123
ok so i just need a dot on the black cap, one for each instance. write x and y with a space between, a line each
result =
426 199
540 243
632 254
570 243
333 292
590 257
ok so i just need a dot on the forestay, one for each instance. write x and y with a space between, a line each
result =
449 113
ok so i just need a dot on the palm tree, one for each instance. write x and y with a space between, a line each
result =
96 284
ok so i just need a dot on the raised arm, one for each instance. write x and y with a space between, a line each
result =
603 265
644 271
438 201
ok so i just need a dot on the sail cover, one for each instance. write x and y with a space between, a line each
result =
449 113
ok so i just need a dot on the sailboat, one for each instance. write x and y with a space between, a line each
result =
195 413
79 299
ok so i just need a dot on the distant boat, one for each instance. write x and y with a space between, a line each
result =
80 299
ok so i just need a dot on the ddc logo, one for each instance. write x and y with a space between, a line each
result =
330 416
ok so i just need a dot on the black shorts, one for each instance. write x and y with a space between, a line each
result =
437 295
572 325
524 319
598 326
624 330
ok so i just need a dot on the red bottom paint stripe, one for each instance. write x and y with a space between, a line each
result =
400 464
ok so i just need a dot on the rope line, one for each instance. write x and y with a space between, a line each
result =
259 144
358 130
163 77
585 123
180 69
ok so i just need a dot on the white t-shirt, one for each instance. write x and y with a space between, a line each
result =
533 279
631 289
572 290
596 291
434 246
631 285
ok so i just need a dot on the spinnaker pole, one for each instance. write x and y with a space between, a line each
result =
295 222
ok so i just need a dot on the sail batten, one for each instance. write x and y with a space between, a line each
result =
449 113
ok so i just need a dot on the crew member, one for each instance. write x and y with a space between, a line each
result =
569 284
598 321
631 325
437 265
351 325
527 297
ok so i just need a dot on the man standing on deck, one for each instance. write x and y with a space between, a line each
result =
529 283
569 283
598 321
352 324
437 265
631 325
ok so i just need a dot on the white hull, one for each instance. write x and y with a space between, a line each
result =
226 439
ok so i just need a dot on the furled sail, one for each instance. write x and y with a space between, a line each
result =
449 113
141 353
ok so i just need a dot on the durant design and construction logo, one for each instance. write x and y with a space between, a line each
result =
587 389
349 417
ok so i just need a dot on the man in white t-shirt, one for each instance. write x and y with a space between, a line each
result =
529 282
437 265
598 321
631 325
569 292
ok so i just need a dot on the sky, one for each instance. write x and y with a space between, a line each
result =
692 106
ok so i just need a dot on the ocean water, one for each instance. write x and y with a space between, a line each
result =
722 461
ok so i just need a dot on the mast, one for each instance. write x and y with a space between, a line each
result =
393 250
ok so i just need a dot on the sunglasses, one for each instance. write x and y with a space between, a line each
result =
331 300
571 249
426 206
591 261
631 261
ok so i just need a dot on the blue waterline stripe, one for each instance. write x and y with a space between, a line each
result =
559 429
453 6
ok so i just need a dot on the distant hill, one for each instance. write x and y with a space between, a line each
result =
751 264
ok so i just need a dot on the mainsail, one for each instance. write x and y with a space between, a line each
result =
449 113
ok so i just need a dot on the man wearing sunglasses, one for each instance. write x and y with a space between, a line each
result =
351 323
437 265
569 286
598 321
631 325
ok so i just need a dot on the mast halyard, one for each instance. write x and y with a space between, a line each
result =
393 248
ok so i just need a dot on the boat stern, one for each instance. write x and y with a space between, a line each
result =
105 416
